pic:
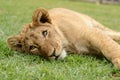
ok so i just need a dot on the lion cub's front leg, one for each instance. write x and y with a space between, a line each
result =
109 48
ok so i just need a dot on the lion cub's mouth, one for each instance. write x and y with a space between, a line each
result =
56 57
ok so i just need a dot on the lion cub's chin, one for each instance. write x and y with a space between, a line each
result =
63 54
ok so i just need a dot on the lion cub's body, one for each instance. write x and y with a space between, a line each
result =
76 29
71 25
61 30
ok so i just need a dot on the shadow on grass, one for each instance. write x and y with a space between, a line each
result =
115 73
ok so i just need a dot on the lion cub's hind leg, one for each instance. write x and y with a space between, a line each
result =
109 48
114 35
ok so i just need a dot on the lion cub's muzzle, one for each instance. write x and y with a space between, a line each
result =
56 56
53 55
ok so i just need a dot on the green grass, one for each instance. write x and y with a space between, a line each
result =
16 66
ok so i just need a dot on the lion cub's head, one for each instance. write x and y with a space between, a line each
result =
39 37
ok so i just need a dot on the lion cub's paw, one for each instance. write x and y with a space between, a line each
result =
116 62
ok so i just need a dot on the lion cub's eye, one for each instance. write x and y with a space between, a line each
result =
32 47
44 33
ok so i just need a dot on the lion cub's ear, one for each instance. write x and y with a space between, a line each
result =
14 42
41 15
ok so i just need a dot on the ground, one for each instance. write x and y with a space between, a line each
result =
17 66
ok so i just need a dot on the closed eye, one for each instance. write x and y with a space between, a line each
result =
32 47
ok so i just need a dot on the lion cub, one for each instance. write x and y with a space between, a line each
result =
56 32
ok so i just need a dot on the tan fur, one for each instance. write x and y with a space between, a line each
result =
53 32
